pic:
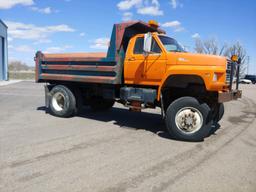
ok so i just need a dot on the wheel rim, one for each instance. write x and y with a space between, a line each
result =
189 120
58 101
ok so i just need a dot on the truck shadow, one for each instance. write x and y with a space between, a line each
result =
130 120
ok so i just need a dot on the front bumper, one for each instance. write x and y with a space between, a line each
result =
229 95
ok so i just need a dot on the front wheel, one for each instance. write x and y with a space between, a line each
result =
218 112
187 119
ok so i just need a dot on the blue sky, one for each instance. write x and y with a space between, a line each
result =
85 26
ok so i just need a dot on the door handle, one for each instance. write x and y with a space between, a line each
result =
131 59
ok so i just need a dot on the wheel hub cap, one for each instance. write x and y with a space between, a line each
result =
58 101
189 120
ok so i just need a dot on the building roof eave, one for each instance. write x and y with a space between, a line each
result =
3 23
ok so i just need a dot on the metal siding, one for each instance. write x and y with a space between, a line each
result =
1 59
2 30
96 71
3 52
6 58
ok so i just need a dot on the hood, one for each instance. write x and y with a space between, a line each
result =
200 59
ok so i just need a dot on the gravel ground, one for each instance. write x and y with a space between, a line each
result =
119 150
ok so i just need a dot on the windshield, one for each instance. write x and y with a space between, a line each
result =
171 44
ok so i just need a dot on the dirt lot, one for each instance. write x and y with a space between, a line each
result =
120 150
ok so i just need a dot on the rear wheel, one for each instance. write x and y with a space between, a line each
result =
101 104
62 101
187 119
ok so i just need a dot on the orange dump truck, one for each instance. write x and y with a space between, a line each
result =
143 68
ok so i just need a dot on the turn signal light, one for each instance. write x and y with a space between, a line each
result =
153 23
234 58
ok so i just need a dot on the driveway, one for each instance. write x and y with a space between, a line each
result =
119 150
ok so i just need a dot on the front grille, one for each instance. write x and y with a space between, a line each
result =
228 72
231 71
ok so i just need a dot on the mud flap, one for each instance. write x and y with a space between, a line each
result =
47 89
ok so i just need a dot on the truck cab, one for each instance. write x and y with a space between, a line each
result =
143 68
166 59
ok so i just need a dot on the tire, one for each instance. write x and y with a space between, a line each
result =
100 104
218 112
187 119
62 101
79 101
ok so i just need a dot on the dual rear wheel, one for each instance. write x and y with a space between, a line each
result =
64 103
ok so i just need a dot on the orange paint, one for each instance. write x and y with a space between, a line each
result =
154 69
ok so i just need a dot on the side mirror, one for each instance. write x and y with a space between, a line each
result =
147 43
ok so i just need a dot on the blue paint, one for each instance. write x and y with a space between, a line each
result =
112 47
89 63
80 73
3 52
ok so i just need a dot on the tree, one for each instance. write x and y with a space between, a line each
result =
209 46
212 46
239 50
18 66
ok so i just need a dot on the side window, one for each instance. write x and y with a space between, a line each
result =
138 48
155 47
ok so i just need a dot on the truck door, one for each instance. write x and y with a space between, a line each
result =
144 70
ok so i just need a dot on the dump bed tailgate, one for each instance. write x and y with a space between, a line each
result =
77 67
